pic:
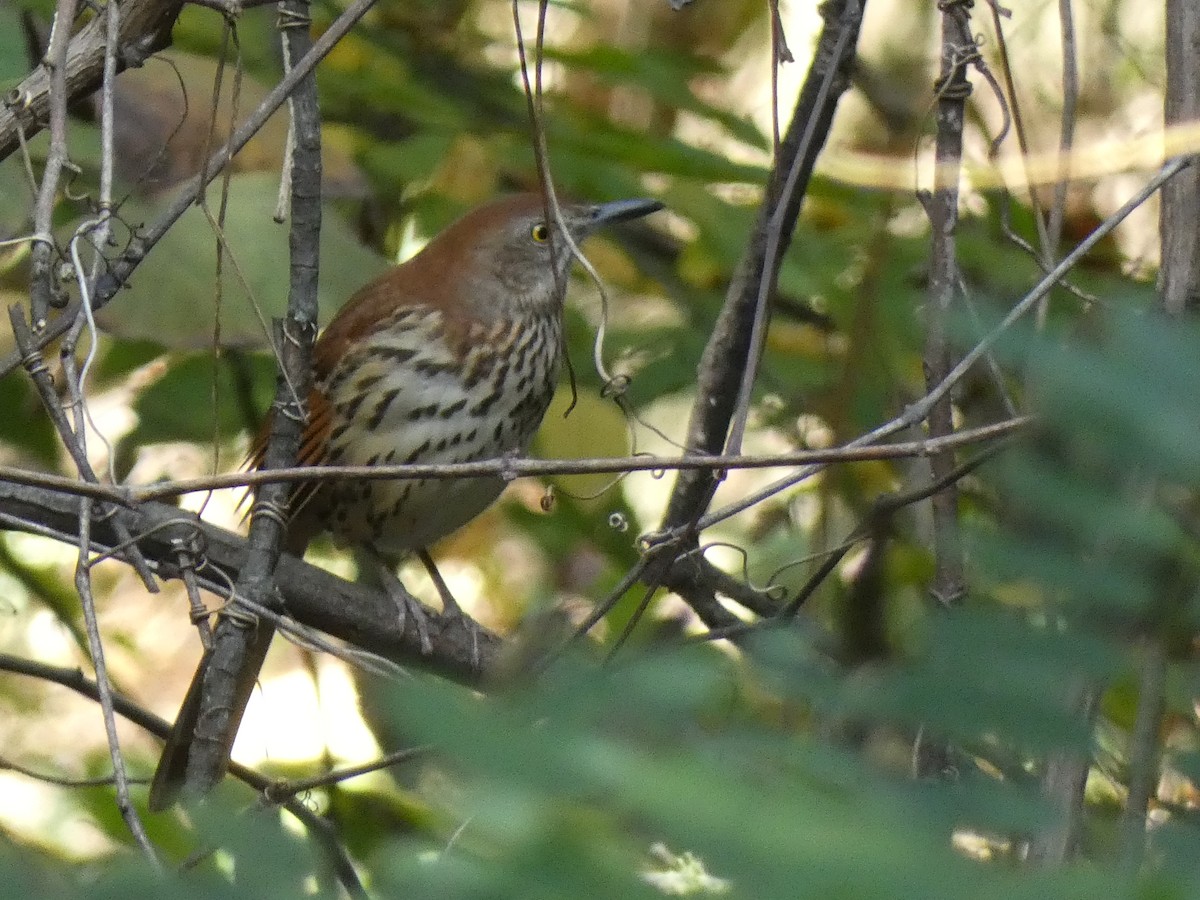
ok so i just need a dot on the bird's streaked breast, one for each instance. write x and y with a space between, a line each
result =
418 391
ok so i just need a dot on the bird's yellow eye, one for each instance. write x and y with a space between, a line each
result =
540 232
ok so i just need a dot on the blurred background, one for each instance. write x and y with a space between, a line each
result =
424 117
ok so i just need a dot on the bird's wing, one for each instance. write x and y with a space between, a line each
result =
314 444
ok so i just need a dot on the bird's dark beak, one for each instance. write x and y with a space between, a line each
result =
622 211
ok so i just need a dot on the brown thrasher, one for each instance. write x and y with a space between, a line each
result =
451 357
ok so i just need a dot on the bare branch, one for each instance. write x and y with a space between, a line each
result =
282 790
919 410
145 29
35 365
1066 140
123 266
1144 751
130 496
1180 283
953 88
728 366
62 780
44 289
511 469
884 507
320 830
727 353
347 611
205 734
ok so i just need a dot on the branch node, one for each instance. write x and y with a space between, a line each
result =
18 99
269 509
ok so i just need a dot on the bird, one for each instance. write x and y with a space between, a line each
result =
452 356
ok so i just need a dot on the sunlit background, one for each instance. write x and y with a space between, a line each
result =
424 119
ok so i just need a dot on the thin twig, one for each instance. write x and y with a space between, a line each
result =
1014 107
884 506
76 381
918 411
89 486
511 469
319 829
130 496
1066 138
62 780
44 290
779 230
123 266
780 54
83 586
279 791
228 34
605 605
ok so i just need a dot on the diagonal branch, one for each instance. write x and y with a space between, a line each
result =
918 411
43 382
145 28
124 265
318 828
733 348
727 354
312 596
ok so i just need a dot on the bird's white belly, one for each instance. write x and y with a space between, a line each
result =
411 400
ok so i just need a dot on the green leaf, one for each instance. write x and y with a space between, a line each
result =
171 298
179 405
665 76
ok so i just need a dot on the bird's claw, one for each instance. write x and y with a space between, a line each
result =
451 611
407 606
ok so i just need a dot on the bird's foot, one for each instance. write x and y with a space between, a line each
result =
407 606
450 608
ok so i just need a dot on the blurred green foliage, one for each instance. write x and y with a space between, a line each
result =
787 772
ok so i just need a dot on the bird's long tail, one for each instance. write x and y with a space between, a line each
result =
196 754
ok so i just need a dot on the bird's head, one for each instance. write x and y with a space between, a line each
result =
516 261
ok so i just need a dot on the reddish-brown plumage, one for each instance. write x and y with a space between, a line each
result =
438 278
452 356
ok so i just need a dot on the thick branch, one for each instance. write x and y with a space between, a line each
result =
312 596
145 29
726 355
123 266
